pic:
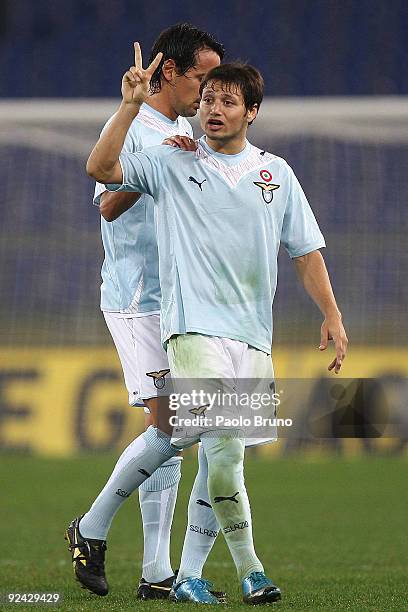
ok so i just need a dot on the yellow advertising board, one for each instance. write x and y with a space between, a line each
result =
59 401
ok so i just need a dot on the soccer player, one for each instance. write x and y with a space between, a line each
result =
130 301
222 212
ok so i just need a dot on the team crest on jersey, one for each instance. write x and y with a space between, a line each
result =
158 378
200 411
266 185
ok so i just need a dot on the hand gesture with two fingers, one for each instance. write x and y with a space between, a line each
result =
136 81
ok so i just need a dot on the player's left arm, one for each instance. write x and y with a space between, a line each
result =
313 273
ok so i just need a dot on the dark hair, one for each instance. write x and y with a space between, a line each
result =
181 43
245 77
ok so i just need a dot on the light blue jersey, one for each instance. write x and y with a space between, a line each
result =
220 221
130 271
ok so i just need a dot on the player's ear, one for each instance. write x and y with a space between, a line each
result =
169 70
252 113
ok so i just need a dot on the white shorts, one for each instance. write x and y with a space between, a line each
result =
244 375
144 361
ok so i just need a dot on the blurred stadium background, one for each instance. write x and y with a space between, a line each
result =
336 109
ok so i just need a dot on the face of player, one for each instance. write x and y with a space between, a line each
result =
185 91
224 118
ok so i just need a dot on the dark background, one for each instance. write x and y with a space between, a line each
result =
57 48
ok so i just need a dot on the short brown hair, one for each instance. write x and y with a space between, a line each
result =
247 78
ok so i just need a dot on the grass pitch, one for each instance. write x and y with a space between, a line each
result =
332 533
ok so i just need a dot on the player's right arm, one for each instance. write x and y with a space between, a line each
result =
103 163
113 204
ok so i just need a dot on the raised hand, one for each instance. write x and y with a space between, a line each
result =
136 81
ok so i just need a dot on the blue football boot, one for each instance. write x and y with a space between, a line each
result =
194 590
258 589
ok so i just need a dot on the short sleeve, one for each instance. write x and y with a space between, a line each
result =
129 146
300 231
139 174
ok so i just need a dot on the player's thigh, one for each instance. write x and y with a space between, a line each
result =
255 375
144 361
121 330
255 381
151 358
196 356
153 370
202 376
255 364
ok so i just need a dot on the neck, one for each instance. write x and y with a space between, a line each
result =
160 101
232 146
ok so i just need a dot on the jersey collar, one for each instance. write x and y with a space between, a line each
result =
228 160
155 113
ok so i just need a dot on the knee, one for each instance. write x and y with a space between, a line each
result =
225 453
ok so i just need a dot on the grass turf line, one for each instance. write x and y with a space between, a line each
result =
330 532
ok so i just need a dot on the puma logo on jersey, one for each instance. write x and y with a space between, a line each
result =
158 378
193 180
230 498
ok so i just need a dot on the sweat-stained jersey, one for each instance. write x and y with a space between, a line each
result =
220 220
130 271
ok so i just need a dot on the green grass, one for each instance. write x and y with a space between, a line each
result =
332 533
